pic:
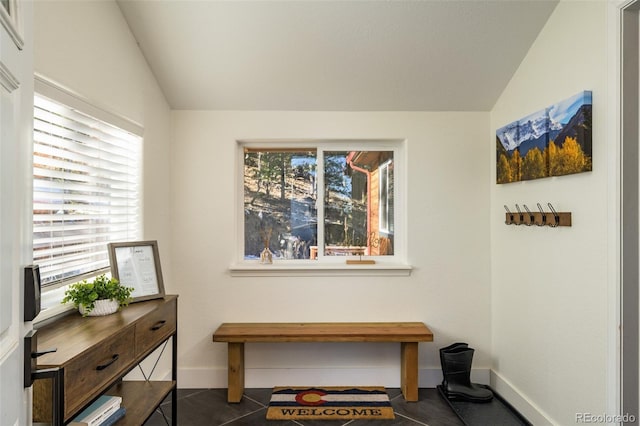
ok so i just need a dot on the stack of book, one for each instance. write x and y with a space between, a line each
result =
104 411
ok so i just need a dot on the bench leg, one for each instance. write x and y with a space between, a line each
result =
236 371
409 370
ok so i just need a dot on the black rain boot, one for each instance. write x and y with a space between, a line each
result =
447 349
457 376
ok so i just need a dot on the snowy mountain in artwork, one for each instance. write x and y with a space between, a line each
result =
538 128
531 131
508 136
533 126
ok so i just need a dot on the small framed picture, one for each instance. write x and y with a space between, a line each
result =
137 264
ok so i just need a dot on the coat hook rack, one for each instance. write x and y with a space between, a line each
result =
550 218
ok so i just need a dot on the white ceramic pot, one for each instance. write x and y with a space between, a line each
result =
101 307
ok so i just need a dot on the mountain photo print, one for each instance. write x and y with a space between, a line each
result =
555 141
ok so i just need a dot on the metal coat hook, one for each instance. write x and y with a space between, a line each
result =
555 216
544 216
531 217
510 220
521 215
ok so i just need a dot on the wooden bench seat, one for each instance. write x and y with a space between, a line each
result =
408 334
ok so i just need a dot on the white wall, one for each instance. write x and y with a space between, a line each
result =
87 47
550 287
448 247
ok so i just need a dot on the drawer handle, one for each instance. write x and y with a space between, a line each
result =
114 358
158 325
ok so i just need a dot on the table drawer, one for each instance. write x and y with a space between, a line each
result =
156 327
88 375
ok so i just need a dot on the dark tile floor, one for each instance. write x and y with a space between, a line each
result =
209 407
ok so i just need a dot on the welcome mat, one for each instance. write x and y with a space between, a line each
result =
329 403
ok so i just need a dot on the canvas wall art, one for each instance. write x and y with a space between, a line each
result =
554 141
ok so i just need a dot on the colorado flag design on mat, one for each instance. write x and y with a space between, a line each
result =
329 403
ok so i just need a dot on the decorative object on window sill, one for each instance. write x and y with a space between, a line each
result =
93 298
266 256
375 241
554 141
361 261
539 218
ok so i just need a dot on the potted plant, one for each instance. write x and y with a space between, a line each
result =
102 296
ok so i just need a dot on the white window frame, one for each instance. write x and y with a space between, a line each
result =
384 225
53 294
392 265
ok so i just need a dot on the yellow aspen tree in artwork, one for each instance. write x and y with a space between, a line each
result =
573 158
552 156
504 174
516 166
533 166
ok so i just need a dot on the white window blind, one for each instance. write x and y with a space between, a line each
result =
86 191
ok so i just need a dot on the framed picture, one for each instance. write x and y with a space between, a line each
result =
137 264
554 141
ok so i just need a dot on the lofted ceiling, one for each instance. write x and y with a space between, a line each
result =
435 55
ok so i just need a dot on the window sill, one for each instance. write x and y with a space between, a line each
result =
48 313
333 270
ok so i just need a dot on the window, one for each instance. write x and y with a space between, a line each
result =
86 190
320 202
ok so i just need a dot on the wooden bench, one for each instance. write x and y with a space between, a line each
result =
408 334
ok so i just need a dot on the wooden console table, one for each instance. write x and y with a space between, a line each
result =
408 334
94 353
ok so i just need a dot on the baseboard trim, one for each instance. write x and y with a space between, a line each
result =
201 378
510 393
